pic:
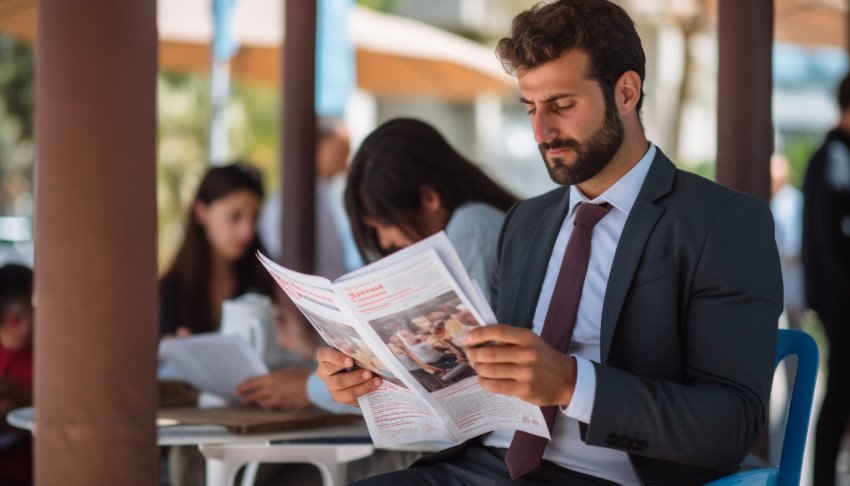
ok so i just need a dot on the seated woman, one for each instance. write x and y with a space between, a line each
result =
216 260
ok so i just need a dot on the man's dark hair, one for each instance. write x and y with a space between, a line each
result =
844 93
604 30
15 286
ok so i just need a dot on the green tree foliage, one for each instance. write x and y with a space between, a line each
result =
17 81
183 117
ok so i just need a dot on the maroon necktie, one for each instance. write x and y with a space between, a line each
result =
526 450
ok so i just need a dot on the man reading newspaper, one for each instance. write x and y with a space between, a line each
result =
640 301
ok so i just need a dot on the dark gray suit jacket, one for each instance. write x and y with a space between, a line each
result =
689 321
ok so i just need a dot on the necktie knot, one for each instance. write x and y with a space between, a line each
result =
589 214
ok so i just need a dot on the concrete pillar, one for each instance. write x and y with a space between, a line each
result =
745 130
95 244
299 137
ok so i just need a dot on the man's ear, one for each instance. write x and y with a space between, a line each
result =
429 198
627 92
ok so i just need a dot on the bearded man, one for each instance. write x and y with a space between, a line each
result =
641 302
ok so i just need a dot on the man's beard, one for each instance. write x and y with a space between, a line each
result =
591 156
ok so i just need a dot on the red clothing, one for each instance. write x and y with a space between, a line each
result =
16 459
17 364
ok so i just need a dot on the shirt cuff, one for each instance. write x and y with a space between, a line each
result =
581 406
319 396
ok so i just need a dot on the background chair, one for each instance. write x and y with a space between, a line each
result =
794 442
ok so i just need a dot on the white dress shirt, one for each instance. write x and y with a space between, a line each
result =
566 447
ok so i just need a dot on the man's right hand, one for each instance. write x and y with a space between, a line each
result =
345 386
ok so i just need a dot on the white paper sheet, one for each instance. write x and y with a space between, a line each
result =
212 362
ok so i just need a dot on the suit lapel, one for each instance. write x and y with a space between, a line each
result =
639 225
536 260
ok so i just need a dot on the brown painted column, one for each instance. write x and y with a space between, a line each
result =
95 237
299 137
745 130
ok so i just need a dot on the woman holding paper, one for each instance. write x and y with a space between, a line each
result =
216 262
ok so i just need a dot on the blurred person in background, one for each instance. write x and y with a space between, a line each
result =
826 261
16 366
786 204
407 183
216 262
336 252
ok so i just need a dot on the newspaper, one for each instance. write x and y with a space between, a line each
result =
405 318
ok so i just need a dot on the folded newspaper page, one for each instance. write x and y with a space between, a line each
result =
405 318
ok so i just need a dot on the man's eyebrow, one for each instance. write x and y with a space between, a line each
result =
550 99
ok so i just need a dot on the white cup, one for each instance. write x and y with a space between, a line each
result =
251 316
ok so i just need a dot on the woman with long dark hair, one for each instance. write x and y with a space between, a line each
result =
216 261
406 183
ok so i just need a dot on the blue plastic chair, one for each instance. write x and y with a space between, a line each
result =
794 442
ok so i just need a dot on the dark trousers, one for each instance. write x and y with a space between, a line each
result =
473 464
832 422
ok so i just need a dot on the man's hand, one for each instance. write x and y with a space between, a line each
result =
280 390
523 365
345 386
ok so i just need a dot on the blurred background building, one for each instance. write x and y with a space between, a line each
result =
400 45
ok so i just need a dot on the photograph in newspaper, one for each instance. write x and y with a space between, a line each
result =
426 339
345 339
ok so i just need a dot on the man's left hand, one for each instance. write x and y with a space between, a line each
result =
280 390
522 365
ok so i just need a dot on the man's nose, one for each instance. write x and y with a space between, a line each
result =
544 129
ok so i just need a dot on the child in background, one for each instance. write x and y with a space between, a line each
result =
16 363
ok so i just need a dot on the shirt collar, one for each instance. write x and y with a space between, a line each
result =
623 193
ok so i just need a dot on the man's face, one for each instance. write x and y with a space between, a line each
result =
576 132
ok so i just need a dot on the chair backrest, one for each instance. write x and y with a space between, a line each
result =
794 442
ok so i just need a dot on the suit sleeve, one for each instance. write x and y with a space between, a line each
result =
727 322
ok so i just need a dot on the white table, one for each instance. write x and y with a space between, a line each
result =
226 452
